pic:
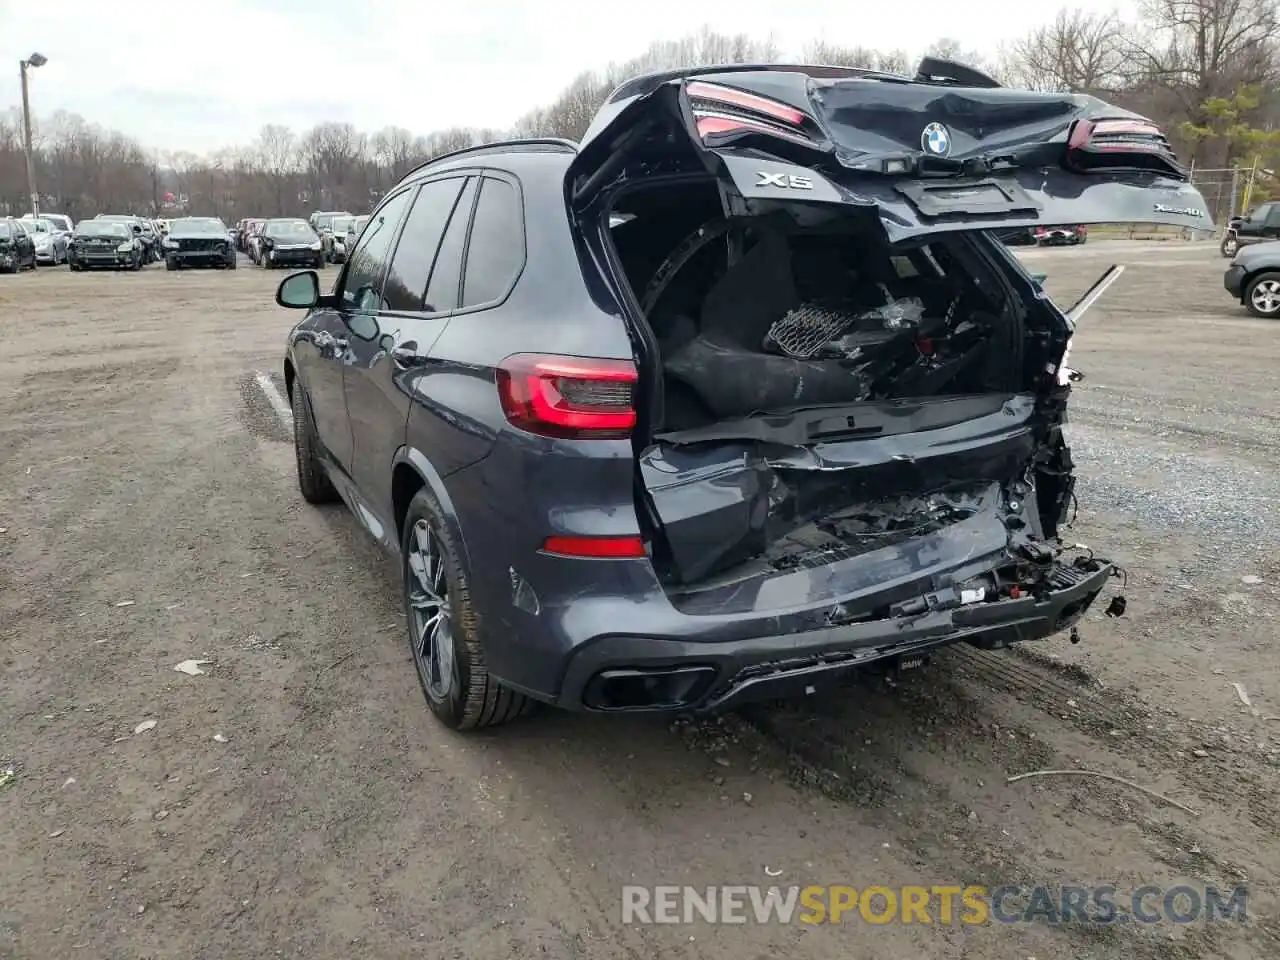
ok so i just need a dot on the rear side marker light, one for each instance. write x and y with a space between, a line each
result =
602 548
568 397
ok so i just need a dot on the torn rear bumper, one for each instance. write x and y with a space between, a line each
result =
693 676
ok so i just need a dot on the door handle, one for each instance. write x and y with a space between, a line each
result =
406 355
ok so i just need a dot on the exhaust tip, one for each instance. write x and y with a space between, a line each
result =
648 688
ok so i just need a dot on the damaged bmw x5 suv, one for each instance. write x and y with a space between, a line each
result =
737 395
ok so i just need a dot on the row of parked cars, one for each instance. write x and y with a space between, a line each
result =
123 241
129 242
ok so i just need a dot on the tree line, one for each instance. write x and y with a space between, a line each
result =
1208 71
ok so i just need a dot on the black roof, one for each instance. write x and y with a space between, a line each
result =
529 145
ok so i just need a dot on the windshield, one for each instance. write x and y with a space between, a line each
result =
342 224
5 233
39 226
116 217
358 224
197 225
290 230
102 228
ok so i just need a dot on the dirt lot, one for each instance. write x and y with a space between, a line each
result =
298 801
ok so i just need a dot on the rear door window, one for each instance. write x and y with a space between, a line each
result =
446 275
495 254
406 284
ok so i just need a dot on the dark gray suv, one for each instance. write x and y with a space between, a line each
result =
735 396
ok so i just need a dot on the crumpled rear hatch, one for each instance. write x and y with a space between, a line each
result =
928 156
855 390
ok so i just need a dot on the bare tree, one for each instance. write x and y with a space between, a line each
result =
1078 52
1187 54
864 58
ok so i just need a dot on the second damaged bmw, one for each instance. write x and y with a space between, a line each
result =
739 394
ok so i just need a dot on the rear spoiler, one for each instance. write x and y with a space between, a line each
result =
938 70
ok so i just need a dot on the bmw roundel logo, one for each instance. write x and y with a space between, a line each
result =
935 140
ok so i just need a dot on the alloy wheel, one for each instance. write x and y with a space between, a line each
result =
1265 296
430 615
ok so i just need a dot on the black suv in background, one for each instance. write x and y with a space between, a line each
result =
17 247
1260 225
289 241
739 394
198 242
104 242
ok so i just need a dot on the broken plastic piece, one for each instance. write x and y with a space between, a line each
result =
1117 606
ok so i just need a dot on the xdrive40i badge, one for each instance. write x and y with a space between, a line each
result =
1180 211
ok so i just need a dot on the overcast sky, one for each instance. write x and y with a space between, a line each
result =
198 75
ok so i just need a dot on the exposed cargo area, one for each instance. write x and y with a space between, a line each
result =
824 394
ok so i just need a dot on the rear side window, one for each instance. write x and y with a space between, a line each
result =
361 288
406 284
495 254
442 291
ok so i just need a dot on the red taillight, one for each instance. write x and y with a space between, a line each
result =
604 548
721 110
569 397
710 124
714 93
1124 142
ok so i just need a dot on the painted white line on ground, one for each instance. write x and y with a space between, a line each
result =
278 403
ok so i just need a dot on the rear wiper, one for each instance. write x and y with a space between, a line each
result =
1093 293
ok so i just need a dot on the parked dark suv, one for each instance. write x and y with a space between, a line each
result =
734 397
1259 226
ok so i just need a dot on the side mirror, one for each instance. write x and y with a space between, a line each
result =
299 291
137 228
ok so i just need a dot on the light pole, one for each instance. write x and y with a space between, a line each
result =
35 60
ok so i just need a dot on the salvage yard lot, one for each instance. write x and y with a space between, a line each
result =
151 516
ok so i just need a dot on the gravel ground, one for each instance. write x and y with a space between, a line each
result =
296 800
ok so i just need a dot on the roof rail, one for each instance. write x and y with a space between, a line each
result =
500 146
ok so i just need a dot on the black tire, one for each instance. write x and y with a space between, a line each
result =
473 699
231 264
313 483
1272 281
320 264
170 263
76 268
